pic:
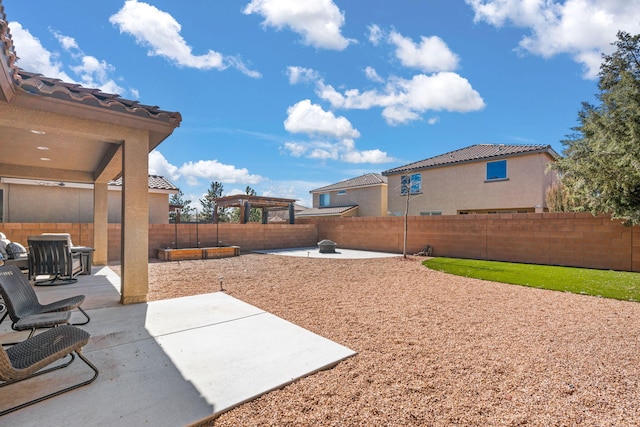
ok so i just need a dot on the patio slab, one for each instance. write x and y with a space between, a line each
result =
340 253
168 363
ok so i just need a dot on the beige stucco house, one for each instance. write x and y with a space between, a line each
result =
61 131
29 200
481 179
365 195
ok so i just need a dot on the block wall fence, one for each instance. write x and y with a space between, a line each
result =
579 240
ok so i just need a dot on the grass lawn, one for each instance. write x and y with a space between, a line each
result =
620 285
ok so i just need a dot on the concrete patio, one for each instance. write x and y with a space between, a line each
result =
166 363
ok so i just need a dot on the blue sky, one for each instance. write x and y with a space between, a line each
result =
287 96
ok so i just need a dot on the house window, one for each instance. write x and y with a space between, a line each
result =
430 213
324 200
413 181
497 170
342 192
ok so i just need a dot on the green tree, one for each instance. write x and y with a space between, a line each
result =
601 167
185 212
208 203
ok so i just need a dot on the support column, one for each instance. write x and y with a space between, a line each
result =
100 223
242 215
134 252
292 214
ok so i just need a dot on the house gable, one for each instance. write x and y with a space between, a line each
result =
366 193
483 178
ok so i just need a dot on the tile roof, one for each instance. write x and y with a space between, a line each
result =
156 182
361 181
474 153
330 211
46 86
7 51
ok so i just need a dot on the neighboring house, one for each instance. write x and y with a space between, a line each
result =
29 200
365 195
482 178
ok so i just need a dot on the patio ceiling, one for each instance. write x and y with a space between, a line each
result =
65 132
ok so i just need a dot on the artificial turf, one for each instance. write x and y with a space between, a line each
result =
620 285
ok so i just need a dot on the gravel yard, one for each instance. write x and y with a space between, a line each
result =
433 349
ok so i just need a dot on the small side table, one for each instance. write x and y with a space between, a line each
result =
86 256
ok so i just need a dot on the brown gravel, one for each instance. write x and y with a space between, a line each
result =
433 349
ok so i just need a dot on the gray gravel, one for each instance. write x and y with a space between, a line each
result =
433 349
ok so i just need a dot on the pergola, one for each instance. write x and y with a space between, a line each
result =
52 130
245 202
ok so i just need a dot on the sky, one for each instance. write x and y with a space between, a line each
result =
287 96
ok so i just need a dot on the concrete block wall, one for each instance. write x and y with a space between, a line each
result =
570 239
81 233
579 240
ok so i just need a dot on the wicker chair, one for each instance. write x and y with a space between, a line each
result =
23 306
51 256
28 359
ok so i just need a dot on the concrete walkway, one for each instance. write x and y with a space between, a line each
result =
167 363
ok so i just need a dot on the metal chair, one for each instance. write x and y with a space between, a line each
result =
28 359
51 256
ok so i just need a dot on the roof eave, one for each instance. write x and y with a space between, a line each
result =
546 149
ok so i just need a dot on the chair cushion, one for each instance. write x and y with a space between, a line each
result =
67 235
3 244
14 250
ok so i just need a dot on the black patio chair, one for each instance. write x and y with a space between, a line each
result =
29 359
24 301
51 256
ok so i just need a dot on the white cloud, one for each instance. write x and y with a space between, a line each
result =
34 57
95 73
375 34
343 150
305 117
89 71
317 21
583 29
192 172
160 32
351 155
158 165
294 189
333 136
431 55
404 100
213 170
302 75
67 43
373 75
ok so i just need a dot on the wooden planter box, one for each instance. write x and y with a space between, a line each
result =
198 253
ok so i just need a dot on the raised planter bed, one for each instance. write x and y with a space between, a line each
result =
170 254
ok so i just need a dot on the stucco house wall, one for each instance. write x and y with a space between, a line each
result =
70 203
371 201
463 187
